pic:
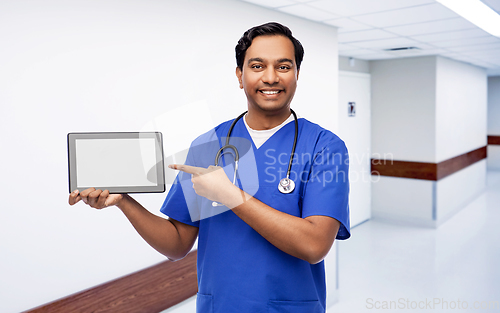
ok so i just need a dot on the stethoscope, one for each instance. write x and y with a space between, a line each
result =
286 185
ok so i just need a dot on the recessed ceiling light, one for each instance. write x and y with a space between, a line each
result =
477 13
404 50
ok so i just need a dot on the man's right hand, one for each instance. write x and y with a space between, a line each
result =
95 198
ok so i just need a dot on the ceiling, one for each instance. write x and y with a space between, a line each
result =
367 28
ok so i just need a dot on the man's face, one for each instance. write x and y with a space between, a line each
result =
269 75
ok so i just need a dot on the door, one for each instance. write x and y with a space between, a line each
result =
355 129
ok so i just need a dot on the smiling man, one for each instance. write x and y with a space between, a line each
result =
263 253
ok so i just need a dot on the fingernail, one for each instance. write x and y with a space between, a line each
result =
171 166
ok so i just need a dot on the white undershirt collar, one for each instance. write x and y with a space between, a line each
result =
259 137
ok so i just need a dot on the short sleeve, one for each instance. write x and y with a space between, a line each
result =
327 189
181 197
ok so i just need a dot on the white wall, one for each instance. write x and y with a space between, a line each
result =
354 65
427 109
494 121
115 66
427 203
403 108
410 201
494 157
456 191
461 105
461 118
494 106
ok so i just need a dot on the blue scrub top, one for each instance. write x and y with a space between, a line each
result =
239 270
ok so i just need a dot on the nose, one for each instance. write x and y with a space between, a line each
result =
270 76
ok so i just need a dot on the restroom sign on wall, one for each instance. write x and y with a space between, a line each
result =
351 109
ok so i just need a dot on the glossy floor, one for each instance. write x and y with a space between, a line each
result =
455 268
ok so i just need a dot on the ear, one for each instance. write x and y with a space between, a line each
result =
239 75
298 74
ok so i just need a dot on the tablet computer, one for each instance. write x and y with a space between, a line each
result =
125 162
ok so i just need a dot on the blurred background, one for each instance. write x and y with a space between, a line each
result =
411 86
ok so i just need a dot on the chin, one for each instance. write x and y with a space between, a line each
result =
272 108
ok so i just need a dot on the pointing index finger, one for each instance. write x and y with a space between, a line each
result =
187 168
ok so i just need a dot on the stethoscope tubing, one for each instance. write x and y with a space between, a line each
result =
294 144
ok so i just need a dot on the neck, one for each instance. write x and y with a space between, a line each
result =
266 120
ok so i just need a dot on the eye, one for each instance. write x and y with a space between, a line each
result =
284 67
256 66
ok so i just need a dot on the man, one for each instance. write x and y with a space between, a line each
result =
265 253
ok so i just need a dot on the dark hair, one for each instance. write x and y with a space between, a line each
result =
271 28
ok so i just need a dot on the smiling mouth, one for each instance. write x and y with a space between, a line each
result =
270 92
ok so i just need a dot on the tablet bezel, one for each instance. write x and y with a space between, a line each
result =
160 173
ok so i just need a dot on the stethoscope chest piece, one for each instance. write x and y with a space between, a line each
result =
286 185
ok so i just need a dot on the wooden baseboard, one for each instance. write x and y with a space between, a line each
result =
427 171
151 290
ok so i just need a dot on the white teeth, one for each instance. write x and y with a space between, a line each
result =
270 92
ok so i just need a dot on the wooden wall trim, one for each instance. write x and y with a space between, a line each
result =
494 140
153 289
405 169
457 163
427 171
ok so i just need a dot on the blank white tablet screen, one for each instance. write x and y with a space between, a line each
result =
116 162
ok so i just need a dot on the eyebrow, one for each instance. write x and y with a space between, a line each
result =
255 60
285 60
262 60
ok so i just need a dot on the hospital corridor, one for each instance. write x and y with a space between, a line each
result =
435 270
